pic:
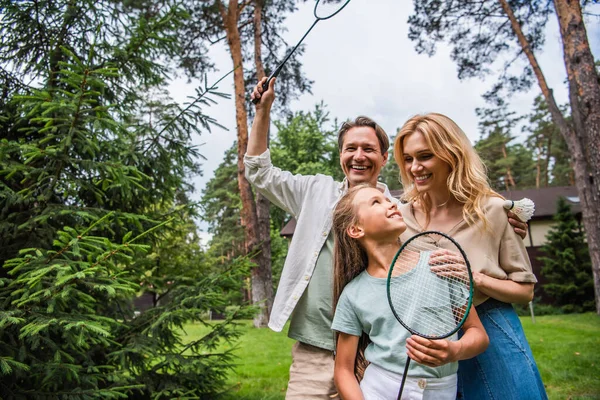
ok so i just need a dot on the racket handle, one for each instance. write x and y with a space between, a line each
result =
265 87
404 378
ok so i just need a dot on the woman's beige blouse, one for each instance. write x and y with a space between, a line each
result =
497 252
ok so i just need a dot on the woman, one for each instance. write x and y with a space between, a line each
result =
446 189
366 227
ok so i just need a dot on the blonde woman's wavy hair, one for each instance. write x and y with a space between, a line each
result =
349 260
467 181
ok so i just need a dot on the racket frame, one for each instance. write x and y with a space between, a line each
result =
468 265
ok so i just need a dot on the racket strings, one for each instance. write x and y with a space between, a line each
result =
429 287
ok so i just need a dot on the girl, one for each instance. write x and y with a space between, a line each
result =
366 229
446 189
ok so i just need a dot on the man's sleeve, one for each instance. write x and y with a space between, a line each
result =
282 188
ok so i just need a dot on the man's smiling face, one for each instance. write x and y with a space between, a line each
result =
361 158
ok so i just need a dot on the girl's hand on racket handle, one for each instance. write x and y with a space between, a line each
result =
263 99
432 353
449 264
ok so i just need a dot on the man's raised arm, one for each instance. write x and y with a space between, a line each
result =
257 142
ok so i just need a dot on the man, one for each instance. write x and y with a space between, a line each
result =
305 288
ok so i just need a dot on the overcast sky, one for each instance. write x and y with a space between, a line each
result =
362 63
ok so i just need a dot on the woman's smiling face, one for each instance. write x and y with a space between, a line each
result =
427 171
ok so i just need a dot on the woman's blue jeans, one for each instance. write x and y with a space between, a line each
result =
506 370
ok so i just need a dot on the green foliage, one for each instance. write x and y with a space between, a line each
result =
390 173
221 205
305 145
566 265
68 327
94 168
510 166
552 158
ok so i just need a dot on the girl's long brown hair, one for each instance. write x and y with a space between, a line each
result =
349 260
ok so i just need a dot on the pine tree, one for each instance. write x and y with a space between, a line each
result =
94 162
509 165
566 264
553 162
390 173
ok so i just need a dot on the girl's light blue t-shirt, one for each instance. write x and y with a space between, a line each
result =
364 307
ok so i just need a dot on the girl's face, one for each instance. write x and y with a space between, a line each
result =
423 167
377 215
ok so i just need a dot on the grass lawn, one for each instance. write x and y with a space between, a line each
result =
566 348
263 365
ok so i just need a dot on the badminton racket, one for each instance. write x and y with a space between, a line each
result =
430 287
323 10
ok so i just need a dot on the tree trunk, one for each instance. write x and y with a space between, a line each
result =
584 93
574 38
250 220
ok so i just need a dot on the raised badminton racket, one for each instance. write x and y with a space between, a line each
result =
430 287
324 9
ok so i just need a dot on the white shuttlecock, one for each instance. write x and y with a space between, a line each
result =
523 208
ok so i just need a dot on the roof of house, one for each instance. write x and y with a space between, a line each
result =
544 198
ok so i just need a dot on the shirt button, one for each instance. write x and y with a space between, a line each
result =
316 253
324 234
422 383
306 277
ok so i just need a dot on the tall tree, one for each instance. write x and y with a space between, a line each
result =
221 206
552 158
390 173
93 181
509 165
482 31
304 144
251 30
